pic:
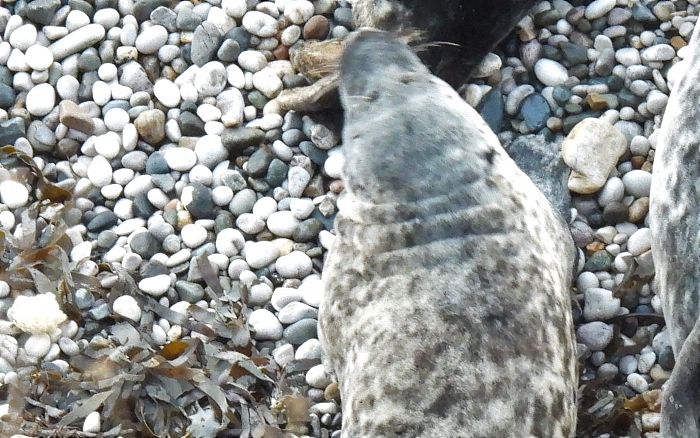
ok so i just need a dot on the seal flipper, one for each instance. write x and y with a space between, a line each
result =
681 402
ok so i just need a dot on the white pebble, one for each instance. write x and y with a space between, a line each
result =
294 265
299 11
23 37
99 172
252 61
259 294
116 119
127 307
265 325
181 159
151 39
38 57
282 223
37 345
13 194
317 377
550 73
155 286
259 24
92 423
639 242
41 100
637 183
167 93
260 254
193 235
229 241
638 383
599 8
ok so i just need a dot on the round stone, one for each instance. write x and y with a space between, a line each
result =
210 79
637 183
167 93
193 235
260 24
299 11
23 37
37 345
13 194
127 307
294 265
155 286
181 159
38 57
116 119
550 72
265 325
41 100
151 39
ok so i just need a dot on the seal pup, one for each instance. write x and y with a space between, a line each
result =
446 310
674 212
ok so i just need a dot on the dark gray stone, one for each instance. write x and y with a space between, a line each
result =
491 109
156 164
102 221
535 111
145 245
188 291
301 331
205 43
191 125
201 206
259 162
11 130
236 140
42 11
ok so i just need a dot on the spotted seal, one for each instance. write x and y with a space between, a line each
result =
674 207
446 310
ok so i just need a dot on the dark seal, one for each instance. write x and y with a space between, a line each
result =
674 209
446 310
461 32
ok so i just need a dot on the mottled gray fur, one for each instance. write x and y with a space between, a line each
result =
674 215
446 310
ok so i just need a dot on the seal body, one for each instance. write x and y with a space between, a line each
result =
463 31
674 209
446 310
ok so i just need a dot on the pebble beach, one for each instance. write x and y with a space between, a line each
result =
165 220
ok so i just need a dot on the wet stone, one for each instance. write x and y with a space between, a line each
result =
535 112
491 109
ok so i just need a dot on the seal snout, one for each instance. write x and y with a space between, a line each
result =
371 54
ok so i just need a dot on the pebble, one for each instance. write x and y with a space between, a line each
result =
38 57
591 150
550 72
41 100
637 183
180 159
317 377
167 93
37 345
296 311
599 304
595 335
265 325
152 39
599 8
294 265
260 254
127 307
13 194
92 423
638 383
77 41
282 223
299 11
658 52
639 242
259 24
155 286
193 235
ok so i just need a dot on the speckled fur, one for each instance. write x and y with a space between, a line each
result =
446 311
674 215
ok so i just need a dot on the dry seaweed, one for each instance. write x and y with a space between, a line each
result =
185 388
